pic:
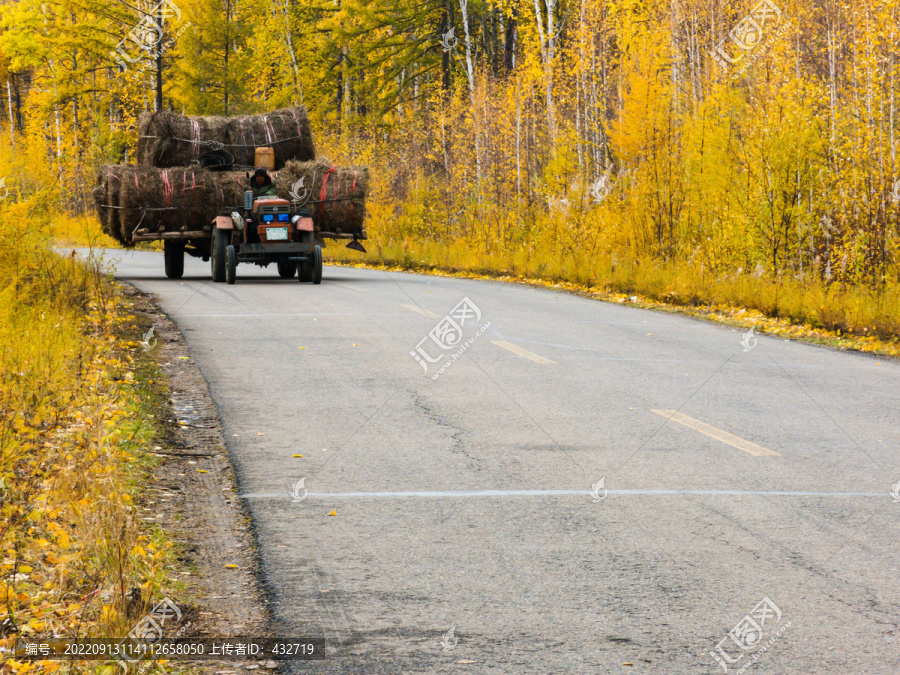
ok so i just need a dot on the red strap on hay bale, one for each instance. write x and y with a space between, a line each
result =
325 183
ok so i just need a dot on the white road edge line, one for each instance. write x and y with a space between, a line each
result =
553 493
515 349
718 434
423 312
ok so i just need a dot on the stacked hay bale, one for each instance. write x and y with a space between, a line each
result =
335 196
170 140
139 200
165 193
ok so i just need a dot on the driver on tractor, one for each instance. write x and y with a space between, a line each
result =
261 184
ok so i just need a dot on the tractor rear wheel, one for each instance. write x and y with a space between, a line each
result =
217 259
173 250
286 268
317 265
230 265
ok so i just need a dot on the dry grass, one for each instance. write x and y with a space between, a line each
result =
76 426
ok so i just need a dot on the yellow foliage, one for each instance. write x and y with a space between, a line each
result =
67 535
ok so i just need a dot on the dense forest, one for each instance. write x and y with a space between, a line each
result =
563 136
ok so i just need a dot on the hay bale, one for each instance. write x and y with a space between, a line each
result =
163 200
100 201
188 199
336 195
168 139
106 198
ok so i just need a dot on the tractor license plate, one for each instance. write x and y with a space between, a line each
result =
276 234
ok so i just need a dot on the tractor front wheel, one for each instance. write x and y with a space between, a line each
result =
173 250
230 265
217 259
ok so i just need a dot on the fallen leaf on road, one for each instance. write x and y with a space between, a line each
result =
230 566
333 513
296 455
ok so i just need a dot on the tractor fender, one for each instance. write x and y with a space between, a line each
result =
304 224
224 223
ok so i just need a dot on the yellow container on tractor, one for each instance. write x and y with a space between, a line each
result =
265 158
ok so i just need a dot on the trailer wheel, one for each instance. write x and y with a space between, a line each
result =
286 268
230 265
317 265
217 259
173 251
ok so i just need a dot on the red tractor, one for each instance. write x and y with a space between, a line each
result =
266 230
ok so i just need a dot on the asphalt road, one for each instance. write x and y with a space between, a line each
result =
745 502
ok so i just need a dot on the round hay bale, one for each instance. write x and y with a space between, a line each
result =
111 176
168 139
167 200
101 201
336 196
99 196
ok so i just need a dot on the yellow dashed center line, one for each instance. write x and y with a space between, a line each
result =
718 434
423 312
515 349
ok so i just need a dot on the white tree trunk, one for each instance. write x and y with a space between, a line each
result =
548 52
470 75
